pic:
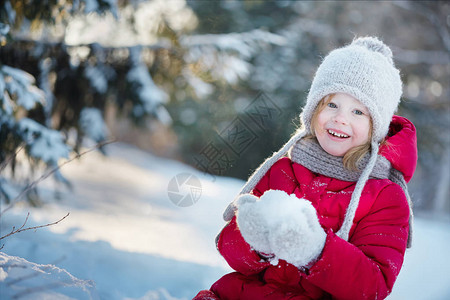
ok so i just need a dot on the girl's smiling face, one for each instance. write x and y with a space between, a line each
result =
343 123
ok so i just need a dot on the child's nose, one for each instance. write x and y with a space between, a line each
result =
340 117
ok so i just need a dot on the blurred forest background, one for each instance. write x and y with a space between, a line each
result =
216 84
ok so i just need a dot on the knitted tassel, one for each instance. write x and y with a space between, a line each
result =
354 201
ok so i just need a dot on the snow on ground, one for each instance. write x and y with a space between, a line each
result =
125 238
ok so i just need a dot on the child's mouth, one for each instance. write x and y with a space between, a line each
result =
336 134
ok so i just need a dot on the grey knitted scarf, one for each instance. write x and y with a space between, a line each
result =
308 153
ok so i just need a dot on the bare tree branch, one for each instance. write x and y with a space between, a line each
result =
22 229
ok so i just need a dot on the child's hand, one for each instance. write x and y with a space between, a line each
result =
281 224
295 233
231 209
251 223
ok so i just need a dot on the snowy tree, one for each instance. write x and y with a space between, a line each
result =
27 104
59 74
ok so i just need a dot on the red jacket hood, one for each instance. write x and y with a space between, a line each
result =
401 146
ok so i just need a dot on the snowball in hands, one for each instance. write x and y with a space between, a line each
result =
230 211
283 225
295 234
253 228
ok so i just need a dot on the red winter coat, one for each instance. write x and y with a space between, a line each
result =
365 267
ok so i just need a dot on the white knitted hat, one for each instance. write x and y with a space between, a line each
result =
365 70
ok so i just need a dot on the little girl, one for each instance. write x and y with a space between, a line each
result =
333 219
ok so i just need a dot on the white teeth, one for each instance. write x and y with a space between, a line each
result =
341 135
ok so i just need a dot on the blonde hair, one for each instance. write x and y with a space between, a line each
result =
353 156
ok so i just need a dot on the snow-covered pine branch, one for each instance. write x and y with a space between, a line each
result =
42 143
245 43
18 93
18 85
148 98
226 56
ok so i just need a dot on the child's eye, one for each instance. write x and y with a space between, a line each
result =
358 112
332 105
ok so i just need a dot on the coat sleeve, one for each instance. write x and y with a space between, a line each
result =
366 266
237 252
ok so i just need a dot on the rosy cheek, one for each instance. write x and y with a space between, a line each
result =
364 135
